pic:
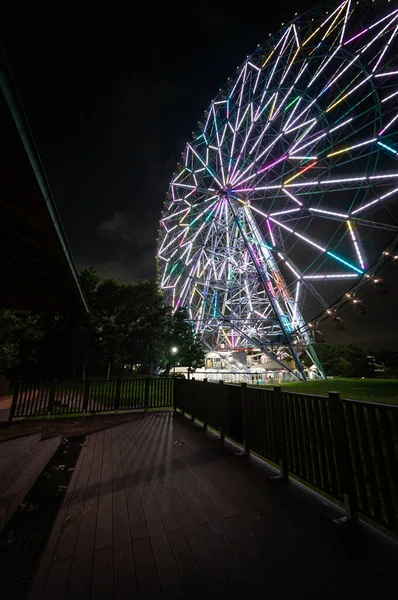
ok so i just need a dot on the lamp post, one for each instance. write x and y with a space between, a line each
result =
174 351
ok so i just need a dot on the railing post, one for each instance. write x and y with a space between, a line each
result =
50 405
14 402
117 393
245 418
343 458
172 382
86 393
146 393
204 424
222 416
193 401
280 432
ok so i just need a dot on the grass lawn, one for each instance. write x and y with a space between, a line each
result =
382 391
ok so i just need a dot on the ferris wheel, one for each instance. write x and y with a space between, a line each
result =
286 196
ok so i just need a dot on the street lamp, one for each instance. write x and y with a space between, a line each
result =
174 351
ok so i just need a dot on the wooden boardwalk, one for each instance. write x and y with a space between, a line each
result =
158 509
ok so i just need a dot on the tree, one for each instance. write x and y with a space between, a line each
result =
20 335
127 324
191 353
107 309
343 361
145 322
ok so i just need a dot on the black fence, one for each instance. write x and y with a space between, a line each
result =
52 398
345 448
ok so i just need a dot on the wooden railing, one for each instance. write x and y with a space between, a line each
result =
344 448
71 397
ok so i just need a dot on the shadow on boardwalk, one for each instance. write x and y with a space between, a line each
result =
158 509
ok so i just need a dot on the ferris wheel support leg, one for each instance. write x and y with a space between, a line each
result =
298 362
311 353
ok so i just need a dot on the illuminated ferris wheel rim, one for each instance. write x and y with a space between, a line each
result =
220 176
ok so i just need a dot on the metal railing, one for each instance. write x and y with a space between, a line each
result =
57 397
345 448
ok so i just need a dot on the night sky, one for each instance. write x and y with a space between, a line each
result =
112 97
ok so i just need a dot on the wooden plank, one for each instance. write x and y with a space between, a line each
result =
189 500
13 451
57 583
193 582
215 582
147 577
68 536
48 554
17 485
124 570
223 555
138 528
104 533
82 564
102 579
164 560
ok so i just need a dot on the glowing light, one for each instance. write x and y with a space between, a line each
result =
390 96
348 94
267 167
389 124
292 269
344 262
351 148
354 212
354 239
298 234
331 276
284 212
292 102
356 36
385 49
386 74
328 212
387 147
303 157
300 173
270 232
292 197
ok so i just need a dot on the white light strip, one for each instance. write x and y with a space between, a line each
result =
328 212
292 197
284 212
298 235
385 49
354 212
336 276
356 246
387 74
292 270
390 96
